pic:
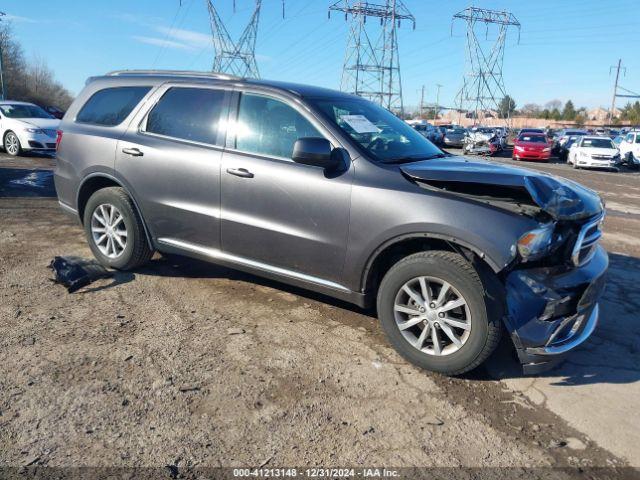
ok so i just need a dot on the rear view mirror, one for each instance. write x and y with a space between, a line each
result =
314 151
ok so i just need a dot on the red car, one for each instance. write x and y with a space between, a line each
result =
532 146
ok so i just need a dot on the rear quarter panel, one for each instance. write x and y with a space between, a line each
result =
88 149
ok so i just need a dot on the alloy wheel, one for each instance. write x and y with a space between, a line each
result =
432 316
12 144
108 230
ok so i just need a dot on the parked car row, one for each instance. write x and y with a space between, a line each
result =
27 127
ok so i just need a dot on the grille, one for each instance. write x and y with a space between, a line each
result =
601 157
587 241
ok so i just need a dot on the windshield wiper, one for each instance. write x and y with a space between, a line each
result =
396 161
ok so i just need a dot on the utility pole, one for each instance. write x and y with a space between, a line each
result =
483 85
2 92
435 112
372 67
615 88
422 103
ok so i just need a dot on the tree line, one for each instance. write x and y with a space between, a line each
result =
555 110
29 81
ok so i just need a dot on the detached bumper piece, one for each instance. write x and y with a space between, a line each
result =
76 273
551 312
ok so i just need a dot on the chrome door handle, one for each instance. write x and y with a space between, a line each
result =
134 152
240 172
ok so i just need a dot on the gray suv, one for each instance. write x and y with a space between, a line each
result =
330 192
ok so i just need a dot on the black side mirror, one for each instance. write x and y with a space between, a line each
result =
316 152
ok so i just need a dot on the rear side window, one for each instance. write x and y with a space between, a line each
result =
109 107
188 114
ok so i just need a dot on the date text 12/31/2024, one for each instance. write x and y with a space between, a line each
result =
315 472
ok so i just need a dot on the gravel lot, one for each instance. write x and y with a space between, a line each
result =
188 364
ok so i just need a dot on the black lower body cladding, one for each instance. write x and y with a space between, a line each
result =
552 311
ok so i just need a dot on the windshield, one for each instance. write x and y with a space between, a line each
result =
377 131
597 143
456 131
24 111
532 138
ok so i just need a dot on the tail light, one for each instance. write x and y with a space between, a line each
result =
58 138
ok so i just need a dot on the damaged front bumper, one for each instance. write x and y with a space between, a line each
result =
551 311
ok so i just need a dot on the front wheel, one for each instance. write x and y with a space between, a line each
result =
12 144
433 309
115 231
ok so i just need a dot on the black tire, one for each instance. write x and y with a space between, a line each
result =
136 251
12 151
458 272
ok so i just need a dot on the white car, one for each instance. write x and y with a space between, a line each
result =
27 127
630 147
593 152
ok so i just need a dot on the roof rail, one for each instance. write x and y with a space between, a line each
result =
172 73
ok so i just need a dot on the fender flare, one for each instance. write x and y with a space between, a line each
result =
417 235
108 176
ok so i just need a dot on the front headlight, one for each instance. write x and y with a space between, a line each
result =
536 243
546 149
33 130
584 154
520 149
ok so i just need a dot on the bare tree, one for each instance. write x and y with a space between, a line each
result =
553 105
29 81
531 110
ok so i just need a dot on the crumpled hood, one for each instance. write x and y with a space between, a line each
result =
562 199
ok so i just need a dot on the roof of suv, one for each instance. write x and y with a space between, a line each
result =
179 75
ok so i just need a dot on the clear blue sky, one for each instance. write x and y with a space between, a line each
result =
565 50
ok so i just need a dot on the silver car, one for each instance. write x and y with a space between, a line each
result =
330 192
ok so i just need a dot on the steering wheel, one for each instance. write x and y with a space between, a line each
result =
376 143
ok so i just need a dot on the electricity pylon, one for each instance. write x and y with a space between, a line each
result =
372 64
236 58
483 86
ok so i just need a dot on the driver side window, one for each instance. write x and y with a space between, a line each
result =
270 127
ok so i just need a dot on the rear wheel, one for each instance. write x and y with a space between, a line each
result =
432 307
115 231
12 144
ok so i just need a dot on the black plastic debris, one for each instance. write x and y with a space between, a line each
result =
75 272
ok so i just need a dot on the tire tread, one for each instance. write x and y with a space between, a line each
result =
141 253
494 325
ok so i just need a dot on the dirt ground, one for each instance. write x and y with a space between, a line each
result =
187 364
